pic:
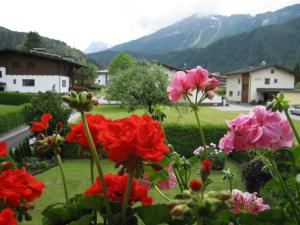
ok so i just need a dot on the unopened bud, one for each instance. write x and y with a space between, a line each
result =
196 185
174 203
186 193
223 195
205 168
210 94
89 95
178 210
157 167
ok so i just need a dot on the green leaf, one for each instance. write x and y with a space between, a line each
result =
85 220
296 152
154 214
94 202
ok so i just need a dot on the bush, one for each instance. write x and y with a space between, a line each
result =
254 176
70 151
15 98
51 102
186 138
240 157
11 120
218 159
22 151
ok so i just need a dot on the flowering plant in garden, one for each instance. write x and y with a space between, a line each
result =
143 159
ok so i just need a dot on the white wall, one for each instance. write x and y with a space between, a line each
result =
101 80
285 80
42 83
233 84
3 76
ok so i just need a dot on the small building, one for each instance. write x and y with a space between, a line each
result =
102 77
38 71
258 84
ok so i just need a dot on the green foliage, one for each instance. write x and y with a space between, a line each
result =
33 40
70 151
121 62
297 85
218 158
297 72
22 151
15 98
11 120
143 84
50 102
90 73
186 138
154 214
240 157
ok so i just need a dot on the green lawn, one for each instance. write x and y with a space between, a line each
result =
182 114
4 109
78 178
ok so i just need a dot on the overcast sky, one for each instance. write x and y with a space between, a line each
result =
79 22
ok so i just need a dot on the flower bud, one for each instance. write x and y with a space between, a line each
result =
174 203
210 94
178 210
156 167
186 193
205 168
59 127
49 141
223 195
196 185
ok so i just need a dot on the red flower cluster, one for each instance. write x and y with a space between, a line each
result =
133 137
77 133
18 186
2 148
39 126
7 217
116 185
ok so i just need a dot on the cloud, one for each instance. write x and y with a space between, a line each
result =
79 22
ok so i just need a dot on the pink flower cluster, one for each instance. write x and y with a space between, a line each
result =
182 83
261 128
247 203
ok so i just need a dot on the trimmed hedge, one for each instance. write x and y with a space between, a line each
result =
186 138
11 120
15 98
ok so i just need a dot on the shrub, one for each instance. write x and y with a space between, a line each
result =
49 101
15 98
70 151
240 157
22 151
254 176
11 120
218 158
186 138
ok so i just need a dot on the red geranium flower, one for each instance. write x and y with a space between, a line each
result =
77 134
207 163
2 148
196 185
7 217
18 186
133 137
39 126
116 185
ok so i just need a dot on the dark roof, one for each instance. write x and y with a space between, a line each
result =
255 68
43 55
166 65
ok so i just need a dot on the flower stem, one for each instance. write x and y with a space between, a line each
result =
161 193
285 189
92 169
201 132
97 162
59 162
292 124
126 195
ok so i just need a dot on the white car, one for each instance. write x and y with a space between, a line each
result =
295 110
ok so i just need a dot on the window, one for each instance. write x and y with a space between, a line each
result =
14 81
272 70
239 81
230 93
64 83
0 74
30 65
275 81
267 80
28 82
16 66
238 93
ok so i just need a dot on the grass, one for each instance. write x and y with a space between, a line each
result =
181 114
78 179
4 109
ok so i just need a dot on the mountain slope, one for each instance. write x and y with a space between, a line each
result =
11 39
96 46
274 44
201 31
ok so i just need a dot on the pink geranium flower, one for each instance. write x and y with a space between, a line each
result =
197 77
260 129
247 203
211 84
178 86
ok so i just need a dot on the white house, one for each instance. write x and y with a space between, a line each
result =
102 77
37 72
258 84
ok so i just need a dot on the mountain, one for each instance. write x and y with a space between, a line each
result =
11 39
200 31
96 46
278 44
